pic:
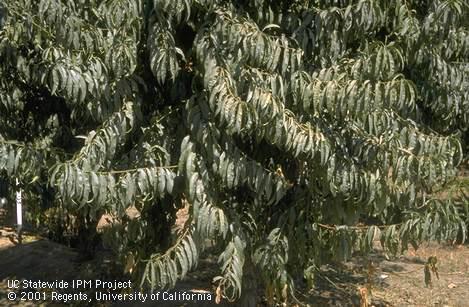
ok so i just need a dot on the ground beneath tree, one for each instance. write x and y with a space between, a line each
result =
394 281
398 281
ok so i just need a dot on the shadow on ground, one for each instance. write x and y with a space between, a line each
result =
39 259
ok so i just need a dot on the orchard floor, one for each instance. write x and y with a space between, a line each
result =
395 282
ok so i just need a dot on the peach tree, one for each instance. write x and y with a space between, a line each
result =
292 132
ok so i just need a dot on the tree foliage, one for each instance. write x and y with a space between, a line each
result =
295 131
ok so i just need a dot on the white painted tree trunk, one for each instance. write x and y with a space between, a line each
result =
19 208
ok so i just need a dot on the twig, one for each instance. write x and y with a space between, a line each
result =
130 170
333 284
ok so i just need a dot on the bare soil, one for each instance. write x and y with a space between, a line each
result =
405 285
397 281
